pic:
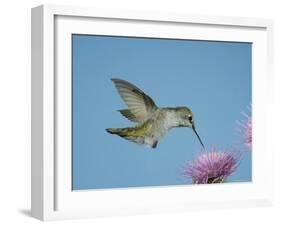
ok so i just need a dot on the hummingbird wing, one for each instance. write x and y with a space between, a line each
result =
140 105
128 114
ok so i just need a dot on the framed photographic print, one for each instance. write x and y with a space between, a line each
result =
137 112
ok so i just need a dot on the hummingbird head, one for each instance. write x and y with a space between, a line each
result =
185 119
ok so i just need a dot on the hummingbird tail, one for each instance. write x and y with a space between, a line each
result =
122 132
127 133
111 131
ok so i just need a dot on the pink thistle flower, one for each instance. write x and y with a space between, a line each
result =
248 134
246 130
212 167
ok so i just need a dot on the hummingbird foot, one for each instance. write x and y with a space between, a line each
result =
154 145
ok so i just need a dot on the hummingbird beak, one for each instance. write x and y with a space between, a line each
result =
194 130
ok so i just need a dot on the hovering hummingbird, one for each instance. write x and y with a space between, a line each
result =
152 122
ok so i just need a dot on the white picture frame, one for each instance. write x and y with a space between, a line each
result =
52 197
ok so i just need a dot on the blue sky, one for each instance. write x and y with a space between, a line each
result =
212 78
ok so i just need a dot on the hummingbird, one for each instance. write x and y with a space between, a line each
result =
152 122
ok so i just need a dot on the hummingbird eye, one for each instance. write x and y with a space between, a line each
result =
189 117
